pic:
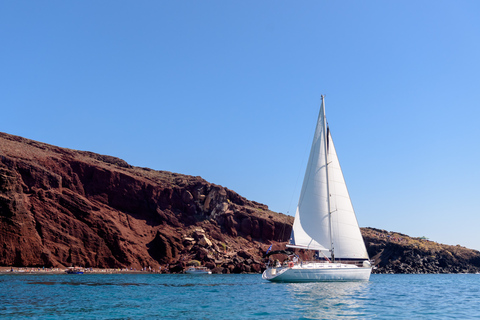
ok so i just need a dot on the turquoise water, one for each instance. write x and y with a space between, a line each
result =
154 296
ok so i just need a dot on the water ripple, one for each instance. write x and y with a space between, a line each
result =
237 297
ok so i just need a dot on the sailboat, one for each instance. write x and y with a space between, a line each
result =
324 221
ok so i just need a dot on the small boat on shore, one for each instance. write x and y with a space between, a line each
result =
198 270
74 270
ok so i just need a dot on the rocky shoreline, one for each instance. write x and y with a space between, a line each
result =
62 207
36 270
393 252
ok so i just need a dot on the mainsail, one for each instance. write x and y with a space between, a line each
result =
324 223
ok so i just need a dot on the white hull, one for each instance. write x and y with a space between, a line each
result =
198 271
318 272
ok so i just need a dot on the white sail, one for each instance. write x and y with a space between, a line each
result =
313 227
347 239
311 224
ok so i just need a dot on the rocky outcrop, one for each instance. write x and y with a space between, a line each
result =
61 207
394 252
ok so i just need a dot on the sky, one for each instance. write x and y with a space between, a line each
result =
230 91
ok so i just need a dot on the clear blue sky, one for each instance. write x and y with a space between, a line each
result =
230 91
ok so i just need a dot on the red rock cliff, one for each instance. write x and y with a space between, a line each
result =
61 207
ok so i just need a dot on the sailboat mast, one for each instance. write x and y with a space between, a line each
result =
325 139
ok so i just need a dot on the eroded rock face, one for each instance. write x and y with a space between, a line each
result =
398 253
60 207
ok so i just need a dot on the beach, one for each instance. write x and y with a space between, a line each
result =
61 270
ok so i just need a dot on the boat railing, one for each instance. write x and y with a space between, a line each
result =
358 263
291 264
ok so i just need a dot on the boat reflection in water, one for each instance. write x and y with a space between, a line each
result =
329 300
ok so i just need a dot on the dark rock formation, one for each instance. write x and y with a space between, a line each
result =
398 253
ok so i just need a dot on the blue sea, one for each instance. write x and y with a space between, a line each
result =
155 296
